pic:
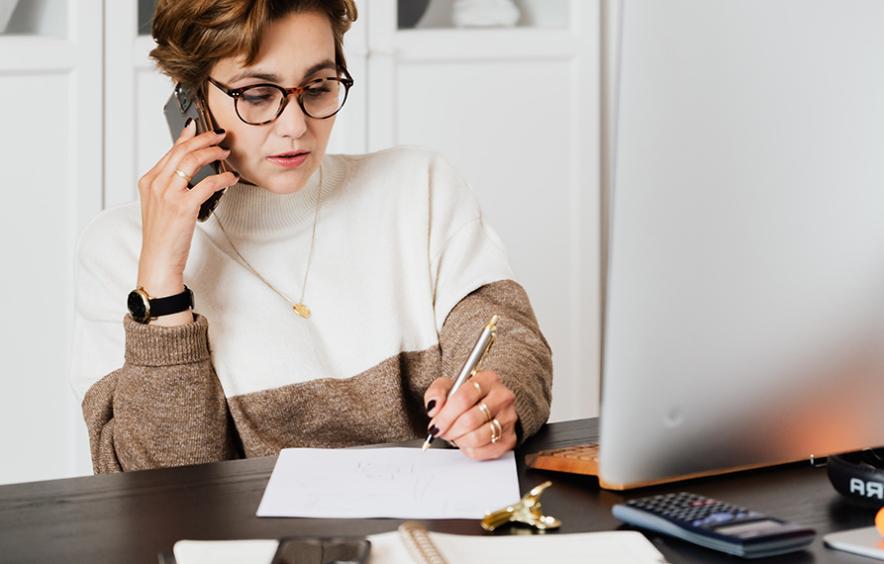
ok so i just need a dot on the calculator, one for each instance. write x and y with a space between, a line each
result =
715 524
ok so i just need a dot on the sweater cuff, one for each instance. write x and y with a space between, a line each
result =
155 345
529 421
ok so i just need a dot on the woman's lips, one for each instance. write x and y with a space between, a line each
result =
289 160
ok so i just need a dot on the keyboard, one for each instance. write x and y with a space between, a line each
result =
578 459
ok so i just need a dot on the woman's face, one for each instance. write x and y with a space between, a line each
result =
294 49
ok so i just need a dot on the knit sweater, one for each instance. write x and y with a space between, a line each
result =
404 274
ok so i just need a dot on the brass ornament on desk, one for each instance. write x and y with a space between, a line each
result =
527 510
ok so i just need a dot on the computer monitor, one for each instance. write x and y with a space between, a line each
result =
744 319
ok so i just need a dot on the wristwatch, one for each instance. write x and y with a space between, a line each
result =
143 308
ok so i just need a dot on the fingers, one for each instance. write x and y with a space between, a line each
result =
188 132
434 397
467 396
187 142
500 402
491 451
189 157
211 184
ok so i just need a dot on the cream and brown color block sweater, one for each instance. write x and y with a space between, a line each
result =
405 273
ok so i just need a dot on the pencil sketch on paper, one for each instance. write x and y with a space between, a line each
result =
388 482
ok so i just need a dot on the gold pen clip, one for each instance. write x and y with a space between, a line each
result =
527 510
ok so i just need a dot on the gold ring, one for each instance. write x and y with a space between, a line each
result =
477 386
483 407
183 174
496 431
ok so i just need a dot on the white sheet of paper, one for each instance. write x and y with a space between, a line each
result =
255 551
404 483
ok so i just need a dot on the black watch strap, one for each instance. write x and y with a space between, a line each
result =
171 304
143 308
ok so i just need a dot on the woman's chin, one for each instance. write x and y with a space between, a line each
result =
286 182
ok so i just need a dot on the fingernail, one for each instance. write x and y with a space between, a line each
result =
431 405
188 122
433 430
220 131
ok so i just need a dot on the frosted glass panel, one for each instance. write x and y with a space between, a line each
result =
33 17
428 14
145 16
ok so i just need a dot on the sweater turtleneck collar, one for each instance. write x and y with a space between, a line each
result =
248 211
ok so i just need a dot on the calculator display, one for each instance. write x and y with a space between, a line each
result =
746 529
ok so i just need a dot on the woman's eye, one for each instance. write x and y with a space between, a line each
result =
259 96
256 100
315 92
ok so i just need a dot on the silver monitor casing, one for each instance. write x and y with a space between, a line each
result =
745 303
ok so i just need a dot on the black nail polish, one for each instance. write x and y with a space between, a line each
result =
431 405
188 122
434 431
219 131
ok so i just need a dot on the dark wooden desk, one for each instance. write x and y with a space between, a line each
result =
131 517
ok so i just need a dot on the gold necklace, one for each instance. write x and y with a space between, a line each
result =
298 306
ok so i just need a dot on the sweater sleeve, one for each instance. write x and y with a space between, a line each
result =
149 394
164 407
520 355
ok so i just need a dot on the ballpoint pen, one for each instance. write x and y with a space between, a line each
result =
486 338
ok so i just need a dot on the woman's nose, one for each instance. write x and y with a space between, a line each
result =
292 122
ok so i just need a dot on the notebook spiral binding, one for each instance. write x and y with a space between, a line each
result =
419 544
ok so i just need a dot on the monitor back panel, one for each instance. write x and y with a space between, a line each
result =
745 311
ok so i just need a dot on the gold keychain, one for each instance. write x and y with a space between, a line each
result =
527 510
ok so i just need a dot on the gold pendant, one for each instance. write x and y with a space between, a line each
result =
302 310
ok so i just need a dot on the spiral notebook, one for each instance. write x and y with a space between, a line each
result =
413 544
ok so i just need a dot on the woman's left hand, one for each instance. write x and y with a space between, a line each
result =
472 417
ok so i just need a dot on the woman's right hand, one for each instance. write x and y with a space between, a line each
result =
169 212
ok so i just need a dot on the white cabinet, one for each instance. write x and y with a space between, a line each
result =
516 110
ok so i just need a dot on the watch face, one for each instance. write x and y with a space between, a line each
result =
138 306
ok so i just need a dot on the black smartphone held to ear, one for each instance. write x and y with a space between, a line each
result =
181 106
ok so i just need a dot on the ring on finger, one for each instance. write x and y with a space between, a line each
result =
483 407
183 174
477 386
496 430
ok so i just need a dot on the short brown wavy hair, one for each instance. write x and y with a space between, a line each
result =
193 35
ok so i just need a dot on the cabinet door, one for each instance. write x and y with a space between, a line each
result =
517 112
50 154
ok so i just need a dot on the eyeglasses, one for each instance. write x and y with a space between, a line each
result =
260 104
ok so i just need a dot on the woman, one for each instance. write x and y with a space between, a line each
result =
335 295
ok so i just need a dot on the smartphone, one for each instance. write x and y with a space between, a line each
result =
180 106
